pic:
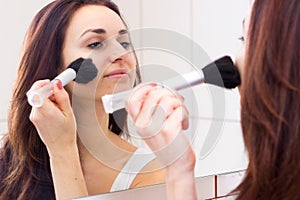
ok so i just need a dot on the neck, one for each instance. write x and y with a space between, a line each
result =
93 132
90 114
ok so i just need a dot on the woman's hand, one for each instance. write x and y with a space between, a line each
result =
159 116
54 120
55 123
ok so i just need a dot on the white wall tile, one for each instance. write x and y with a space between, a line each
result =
219 148
218 25
131 12
174 15
212 102
205 187
232 105
171 21
227 182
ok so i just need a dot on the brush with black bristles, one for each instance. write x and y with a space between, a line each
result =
229 76
221 72
81 70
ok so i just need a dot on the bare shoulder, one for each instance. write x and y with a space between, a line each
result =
151 174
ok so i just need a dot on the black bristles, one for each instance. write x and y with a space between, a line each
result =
76 64
223 73
85 70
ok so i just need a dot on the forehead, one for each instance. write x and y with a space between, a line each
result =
95 16
246 24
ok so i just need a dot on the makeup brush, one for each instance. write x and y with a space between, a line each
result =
229 74
81 70
221 72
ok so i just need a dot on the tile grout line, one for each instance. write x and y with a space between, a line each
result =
216 186
215 119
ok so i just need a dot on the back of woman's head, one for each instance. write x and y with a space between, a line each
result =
41 58
270 101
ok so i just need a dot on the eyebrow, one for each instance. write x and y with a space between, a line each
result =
123 31
102 31
243 24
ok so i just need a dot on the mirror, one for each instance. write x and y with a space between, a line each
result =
196 32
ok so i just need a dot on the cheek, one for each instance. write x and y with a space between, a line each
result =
132 77
132 64
131 61
69 88
240 60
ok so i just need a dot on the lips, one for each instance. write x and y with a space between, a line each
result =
116 73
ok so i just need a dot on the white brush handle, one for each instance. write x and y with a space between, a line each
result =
114 102
37 97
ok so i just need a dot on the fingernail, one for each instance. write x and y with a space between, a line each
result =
59 85
153 84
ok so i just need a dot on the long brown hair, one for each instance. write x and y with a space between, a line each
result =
24 158
270 102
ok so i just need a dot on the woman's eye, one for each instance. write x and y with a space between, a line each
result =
242 38
125 45
95 45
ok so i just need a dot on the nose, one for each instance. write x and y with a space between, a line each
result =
116 52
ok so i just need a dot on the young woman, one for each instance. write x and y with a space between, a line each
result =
270 100
62 151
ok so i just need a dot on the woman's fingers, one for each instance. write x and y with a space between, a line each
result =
151 106
135 101
61 98
54 120
38 84
169 143
159 116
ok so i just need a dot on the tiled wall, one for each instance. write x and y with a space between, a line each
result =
218 186
208 188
